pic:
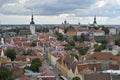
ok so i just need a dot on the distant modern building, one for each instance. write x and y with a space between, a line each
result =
32 25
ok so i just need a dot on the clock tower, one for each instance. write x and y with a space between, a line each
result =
32 26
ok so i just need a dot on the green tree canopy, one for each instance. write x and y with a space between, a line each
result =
117 41
5 74
105 41
36 63
82 50
99 48
66 29
76 78
59 36
10 53
81 38
106 30
71 43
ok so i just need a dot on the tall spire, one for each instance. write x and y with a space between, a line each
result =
95 20
32 20
2 54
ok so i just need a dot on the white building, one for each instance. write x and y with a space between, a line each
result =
82 31
32 26
98 33
112 30
61 30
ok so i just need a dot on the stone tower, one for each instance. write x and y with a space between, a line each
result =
32 26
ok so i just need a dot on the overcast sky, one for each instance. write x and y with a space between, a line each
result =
56 11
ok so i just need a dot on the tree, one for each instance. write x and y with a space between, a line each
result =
99 48
76 78
59 36
5 74
75 38
11 54
82 38
117 41
71 43
36 63
66 29
106 30
105 41
82 50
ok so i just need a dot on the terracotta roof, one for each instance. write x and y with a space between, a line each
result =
48 73
101 56
61 59
42 69
115 77
91 66
87 71
24 32
71 32
74 65
33 57
114 66
59 47
16 39
97 76
43 36
23 78
69 61
21 58
117 58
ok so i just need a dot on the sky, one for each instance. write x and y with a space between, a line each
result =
56 11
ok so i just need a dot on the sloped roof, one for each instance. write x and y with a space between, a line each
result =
101 56
97 76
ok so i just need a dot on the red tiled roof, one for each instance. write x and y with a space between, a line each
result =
117 58
97 76
114 66
101 56
21 58
91 66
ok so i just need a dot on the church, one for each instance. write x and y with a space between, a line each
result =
31 30
94 23
32 26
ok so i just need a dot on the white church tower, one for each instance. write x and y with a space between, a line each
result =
32 26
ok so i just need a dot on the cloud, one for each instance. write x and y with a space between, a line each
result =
102 8
79 10
43 7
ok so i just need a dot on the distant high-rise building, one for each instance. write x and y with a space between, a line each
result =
32 26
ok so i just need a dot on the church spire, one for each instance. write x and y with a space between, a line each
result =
2 54
32 20
95 20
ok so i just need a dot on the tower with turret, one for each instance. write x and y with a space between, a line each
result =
32 25
95 22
